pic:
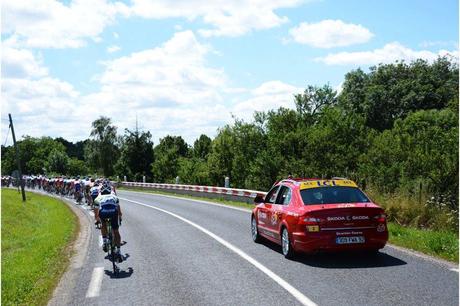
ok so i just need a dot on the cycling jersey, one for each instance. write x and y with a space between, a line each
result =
106 201
94 191
108 208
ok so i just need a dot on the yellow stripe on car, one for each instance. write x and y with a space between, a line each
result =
327 183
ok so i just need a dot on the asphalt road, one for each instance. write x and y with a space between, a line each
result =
183 252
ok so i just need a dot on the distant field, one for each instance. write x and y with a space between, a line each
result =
35 239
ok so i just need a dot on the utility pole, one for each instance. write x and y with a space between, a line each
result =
21 182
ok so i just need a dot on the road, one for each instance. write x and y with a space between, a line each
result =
185 252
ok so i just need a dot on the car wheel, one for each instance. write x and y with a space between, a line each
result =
254 231
286 245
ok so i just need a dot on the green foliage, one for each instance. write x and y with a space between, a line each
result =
34 153
392 91
167 153
77 167
136 155
102 152
202 147
58 162
73 149
421 148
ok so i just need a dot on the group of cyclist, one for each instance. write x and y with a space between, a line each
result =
99 194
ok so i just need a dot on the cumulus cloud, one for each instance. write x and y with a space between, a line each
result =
39 103
53 24
389 53
226 18
113 49
170 87
269 95
330 33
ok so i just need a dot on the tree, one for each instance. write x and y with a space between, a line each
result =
77 167
167 152
136 155
102 152
202 147
393 91
73 149
58 162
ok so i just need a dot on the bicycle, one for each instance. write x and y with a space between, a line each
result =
111 245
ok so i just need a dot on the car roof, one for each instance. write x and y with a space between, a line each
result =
305 182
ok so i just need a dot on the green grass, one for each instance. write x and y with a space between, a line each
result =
35 246
441 244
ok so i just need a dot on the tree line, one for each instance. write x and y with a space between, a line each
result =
394 127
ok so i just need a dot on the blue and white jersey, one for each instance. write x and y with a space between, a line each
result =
94 191
106 201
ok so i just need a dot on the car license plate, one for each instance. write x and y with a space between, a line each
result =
348 240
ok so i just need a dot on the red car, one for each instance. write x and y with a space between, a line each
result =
312 215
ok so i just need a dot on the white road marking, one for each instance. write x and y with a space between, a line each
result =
193 200
96 282
389 245
293 291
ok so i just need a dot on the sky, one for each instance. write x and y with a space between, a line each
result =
188 67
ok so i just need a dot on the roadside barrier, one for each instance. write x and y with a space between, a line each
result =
242 195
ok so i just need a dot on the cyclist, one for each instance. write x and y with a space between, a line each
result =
107 205
77 187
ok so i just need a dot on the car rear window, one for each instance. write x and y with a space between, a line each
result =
333 195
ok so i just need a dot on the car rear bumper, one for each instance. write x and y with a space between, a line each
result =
326 241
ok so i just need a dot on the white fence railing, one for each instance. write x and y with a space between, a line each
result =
196 188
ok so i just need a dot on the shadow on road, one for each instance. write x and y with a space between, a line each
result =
120 274
343 260
126 256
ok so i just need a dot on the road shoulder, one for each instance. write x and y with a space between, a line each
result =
61 294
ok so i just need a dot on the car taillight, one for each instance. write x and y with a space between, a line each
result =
312 224
310 220
380 218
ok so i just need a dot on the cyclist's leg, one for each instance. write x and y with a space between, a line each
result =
116 236
116 233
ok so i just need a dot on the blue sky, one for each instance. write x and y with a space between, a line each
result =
184 67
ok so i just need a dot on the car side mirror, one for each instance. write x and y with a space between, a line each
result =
259 199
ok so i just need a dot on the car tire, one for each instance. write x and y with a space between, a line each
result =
255 231
286 245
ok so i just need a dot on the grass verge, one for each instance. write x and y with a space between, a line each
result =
441 244
35 246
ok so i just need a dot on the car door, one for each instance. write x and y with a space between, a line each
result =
264 213
279 209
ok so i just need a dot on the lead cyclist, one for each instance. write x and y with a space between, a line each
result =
107 205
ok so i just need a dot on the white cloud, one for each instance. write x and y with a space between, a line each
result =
330 33
269 95
389 53
226 18
439 43
170 87
52 24
18 63
113 48
39 103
